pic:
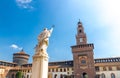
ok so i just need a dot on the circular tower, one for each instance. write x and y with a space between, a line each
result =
20 57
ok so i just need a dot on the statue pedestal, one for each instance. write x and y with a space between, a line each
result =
40 66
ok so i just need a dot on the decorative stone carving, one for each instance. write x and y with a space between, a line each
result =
43 41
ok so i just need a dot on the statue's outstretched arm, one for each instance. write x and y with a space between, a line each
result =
52 29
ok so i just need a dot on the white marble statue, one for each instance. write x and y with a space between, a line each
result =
43 41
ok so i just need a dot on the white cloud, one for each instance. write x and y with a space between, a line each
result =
14 46
26 4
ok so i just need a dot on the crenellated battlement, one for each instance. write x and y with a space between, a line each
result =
107 60
82 47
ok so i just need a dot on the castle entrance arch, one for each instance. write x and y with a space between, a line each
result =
84 75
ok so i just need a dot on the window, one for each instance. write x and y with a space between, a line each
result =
61 70
48 70
97 76
104 69
13 75
81 39
67 72
83 61
0 63
27 76
67 69
97 68
52 70
102 75
72 69
85 75
55 76
80 31
112 75
61 76
65 76
56 70
64 69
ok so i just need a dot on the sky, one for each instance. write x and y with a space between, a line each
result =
21 21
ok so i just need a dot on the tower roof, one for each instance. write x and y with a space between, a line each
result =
22 52
79 22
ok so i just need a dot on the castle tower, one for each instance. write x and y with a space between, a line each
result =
83 55
20 58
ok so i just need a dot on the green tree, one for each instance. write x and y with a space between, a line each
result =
19 74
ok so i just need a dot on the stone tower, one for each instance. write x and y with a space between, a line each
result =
83 55
20 58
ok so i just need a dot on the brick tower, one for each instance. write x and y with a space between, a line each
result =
83 55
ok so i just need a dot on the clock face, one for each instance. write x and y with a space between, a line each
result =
81 39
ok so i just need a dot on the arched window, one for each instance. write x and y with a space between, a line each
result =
13 76
61 70
55 76
83 61
67 69
112 75
64 69
52 70
97 76
27 76
85 75
80 30
56 70
97 68
61 76
102 75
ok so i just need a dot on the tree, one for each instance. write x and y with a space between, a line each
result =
19 74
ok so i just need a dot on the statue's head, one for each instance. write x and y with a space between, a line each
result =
45 29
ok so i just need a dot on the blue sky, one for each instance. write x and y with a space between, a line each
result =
21 21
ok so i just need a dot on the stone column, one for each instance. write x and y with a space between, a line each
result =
40 66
